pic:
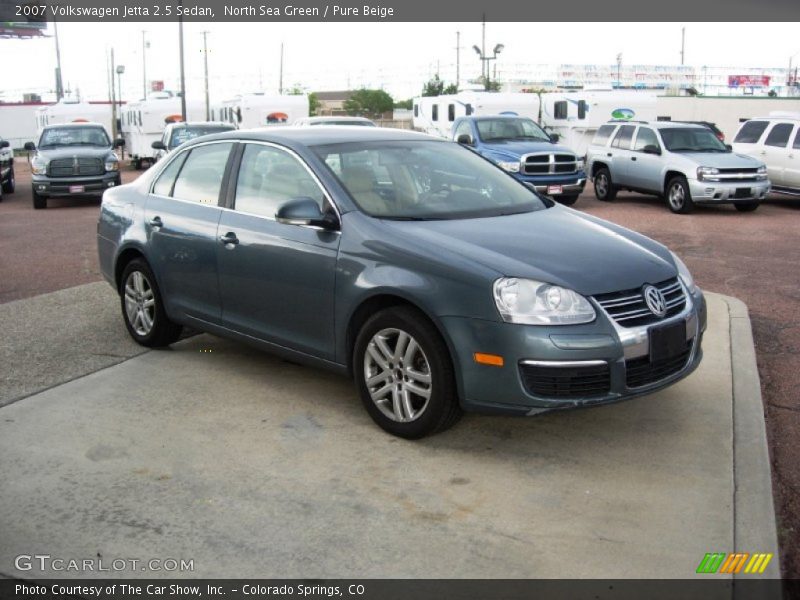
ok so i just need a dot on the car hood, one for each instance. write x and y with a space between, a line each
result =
728 160
72 151
557 245
516 149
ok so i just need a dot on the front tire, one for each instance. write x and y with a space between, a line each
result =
39 201
10 184
679 198
604 189
404 374
143 307
747 206
567 200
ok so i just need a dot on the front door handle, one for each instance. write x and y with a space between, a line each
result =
633 158
156 222
608 154
229 238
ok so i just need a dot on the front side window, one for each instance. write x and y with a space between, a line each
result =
691 139
751 132
269 177
779 135
645 137
200 179
426 180
165 181
623 138
74 136
504 128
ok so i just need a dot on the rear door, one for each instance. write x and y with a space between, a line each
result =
619 155
792 170
775 152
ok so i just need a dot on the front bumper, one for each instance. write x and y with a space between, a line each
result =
66 186
714 192
619 351
545 184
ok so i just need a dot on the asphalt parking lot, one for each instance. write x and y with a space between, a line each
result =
753 257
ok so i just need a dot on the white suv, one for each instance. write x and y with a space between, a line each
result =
776 141
684 163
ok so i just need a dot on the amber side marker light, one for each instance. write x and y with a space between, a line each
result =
488 359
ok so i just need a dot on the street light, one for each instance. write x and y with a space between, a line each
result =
145 46
485 61
120 71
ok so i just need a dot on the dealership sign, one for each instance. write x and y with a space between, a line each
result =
748 80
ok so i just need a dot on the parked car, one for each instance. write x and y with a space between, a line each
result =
712 126
311 121
775 140
519 146
685 164
176 134
7 181
72 159
434 278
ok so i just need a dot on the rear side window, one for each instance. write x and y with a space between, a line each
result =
602 135
645 137
796 144
623 137
779 135
200 178
165 181
560 109
750 132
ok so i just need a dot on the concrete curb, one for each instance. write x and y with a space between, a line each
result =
754 527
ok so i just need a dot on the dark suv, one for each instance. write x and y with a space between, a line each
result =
73 159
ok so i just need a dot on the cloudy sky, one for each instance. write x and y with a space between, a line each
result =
396 56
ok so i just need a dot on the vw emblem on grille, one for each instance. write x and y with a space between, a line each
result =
655 300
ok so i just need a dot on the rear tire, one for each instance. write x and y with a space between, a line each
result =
10 184
39 201
567 200
143 308
404 374
604 189
747 206
679 198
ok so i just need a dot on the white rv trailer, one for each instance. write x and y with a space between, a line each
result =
143 123
72 110
434 115
250 111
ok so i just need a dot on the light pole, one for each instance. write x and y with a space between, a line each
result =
280 79
485 62
458 60
205 64
113 100
59 80
145 46
183 75
789 79
619 69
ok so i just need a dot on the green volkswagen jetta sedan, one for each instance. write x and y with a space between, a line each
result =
436 280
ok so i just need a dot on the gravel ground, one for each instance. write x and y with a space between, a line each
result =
754 257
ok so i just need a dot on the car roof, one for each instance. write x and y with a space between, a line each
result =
659 124
322 135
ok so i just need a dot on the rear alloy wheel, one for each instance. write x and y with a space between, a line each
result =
747 206
679 198
404 374
39 201
604 189
143 309
567 199
10 184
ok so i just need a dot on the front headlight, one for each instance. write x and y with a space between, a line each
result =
762 172
511 167
112 163
535 303
38 166
684 274
707 174
579 164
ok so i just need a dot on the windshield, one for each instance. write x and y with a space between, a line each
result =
492 130
421 180
694 139
74 136
184 134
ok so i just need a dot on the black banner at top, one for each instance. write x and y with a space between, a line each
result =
21 11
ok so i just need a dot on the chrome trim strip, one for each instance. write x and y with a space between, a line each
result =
564 363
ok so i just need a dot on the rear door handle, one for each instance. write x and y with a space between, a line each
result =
156 222
229 238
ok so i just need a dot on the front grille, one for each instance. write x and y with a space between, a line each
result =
736 175
641 372
629 309
548 164
566 382
70 167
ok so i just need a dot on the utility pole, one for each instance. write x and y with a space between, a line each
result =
59 79
458 60
205 61
113 100
183 75
280 77
683 44
619 69
145 44
484 63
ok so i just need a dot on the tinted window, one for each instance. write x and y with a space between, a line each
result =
602 135
623 137
560 109
750 132
451 112
201 176
645 137
269 177
796 144
435 112
163 186
779 135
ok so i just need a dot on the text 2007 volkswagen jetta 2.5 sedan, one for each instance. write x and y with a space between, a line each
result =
435 279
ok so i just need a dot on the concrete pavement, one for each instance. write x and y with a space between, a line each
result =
252 466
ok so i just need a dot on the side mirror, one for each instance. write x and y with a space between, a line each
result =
465 139
158 145
4 144
30 146
304 211
651 149
554 137
728 147
119 143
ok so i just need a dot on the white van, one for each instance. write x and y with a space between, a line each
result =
774 140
